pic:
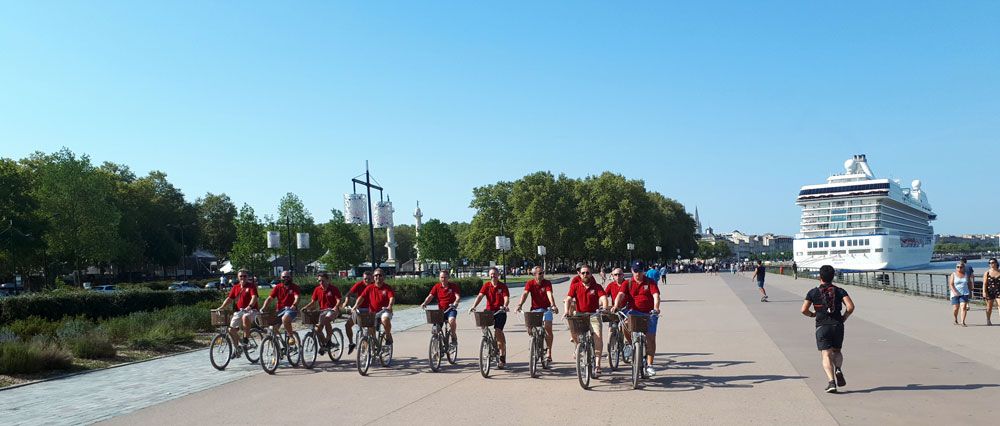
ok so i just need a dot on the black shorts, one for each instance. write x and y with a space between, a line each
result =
829 336
499 320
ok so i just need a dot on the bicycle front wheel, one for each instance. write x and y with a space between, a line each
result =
220 351
484 357
533 358
310 347
452 350
582 366
252 351
636 364
293 348
269 354
434 353
364 355
336 345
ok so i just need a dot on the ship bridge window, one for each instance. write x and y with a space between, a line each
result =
849 188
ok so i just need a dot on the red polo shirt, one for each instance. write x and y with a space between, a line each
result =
612 291
242 295
285 295
378 298
445 295
329 298
640 294
539 299
494 295
358 288
588 297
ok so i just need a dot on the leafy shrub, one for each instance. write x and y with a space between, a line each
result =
93 346
7 336
95 305
32 326
27 358
186 318
120 329
73 328
160 337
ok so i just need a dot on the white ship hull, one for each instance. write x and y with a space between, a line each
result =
884 252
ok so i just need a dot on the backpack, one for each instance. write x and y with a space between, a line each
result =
829 298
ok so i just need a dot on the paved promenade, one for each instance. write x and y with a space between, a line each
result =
723 358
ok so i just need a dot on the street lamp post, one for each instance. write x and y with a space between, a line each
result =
541 252
630 247
659 249
371 226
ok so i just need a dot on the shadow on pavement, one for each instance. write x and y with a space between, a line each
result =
919 387
702 365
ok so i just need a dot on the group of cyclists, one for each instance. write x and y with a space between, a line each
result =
638 295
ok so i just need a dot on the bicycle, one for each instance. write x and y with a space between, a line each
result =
489 351
586 359
440 337
221 350
537 344
310 342
370 346
616 340
638 325
277 344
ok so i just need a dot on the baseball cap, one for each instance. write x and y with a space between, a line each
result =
639 266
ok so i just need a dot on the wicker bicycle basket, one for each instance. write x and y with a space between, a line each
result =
638 323
221 318
434 316
310 317
267 319
579 324
484 319
366 319
609 318
533 319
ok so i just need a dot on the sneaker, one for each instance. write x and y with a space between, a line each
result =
322 350
627 352
763 299
454 346
351 348
840 377
650 371
547 364
244 341
831 387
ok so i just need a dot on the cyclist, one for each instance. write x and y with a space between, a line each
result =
245 295
541 300
447 295
329 298
641 296
379 296
286 293
497 299
356 290
588 296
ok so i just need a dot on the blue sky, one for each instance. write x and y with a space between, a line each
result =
727 106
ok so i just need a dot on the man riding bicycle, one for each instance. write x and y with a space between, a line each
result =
541 301
447 296
641 296
245 295
379 296
329 298
356 290
286 293
588 296
497 298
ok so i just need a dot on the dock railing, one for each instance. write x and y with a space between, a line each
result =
918 283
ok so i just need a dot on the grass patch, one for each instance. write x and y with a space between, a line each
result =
34 357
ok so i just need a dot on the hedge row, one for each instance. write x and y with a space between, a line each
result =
95 305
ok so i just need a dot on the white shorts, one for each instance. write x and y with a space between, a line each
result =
237 320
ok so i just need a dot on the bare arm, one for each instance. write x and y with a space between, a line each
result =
295 303
524 295
392 301
552 301
226 303
479 298
848 306
427 300
656 302
805 309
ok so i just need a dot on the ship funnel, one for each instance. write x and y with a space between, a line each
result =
862 163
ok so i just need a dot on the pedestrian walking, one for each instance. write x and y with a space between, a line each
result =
991 289
758 275
795 270
825 303
958 284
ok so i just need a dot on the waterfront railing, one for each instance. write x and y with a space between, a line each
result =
918 283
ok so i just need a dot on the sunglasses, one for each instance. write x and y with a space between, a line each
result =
379 275
585 273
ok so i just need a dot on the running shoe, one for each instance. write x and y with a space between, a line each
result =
831 387
840 377
650 371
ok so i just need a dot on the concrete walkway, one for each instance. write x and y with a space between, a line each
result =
723 358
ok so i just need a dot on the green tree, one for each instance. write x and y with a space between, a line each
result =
20 224
216 214
492 209
344 247
546 214
293 213
250 248
437 243
85 231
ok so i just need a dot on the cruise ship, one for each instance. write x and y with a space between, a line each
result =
858 222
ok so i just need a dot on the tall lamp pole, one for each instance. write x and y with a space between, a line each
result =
371 226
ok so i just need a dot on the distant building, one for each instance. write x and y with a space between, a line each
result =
744 245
